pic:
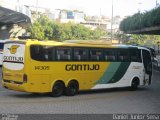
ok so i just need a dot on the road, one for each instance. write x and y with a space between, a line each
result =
144 100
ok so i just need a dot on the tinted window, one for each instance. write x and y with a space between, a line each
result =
49 53
63 54
80 54
96 55
123 55
135 55
109 55
42 53
37 52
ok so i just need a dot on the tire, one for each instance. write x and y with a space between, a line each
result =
134 85
72 88
58 89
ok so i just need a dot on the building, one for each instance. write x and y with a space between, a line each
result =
115 24
66 16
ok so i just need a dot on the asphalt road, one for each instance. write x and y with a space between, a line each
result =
145 100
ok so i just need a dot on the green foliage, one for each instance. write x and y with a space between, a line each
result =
138 39
45 29
141 20
37 31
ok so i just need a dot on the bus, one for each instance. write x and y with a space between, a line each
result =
68 67
1 50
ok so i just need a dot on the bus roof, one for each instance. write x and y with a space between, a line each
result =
78 43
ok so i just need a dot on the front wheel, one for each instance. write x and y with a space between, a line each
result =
134 85
72 88
58 89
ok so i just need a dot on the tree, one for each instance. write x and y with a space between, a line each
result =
141 20
45 29
36 31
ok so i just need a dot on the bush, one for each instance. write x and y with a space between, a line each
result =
141 20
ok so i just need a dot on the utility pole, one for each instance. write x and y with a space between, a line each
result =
37 9
112 23
156 3
139 7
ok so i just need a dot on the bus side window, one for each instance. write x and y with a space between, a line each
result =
80 54
49 53
63 54
123 55
96 55
135 55
109 55
37 52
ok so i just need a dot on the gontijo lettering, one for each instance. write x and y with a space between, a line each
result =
82 67
12 58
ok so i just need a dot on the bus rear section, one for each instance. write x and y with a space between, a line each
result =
13 65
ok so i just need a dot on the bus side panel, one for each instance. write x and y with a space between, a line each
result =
118 76
42 76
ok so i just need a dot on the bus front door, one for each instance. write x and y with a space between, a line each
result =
147 62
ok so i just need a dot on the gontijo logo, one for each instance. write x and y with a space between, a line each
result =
13 49
13 57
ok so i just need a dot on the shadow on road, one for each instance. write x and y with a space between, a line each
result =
86 92
112 90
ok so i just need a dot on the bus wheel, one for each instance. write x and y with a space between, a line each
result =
72 88
134 85
57 89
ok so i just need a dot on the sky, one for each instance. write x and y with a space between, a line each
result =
97 7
